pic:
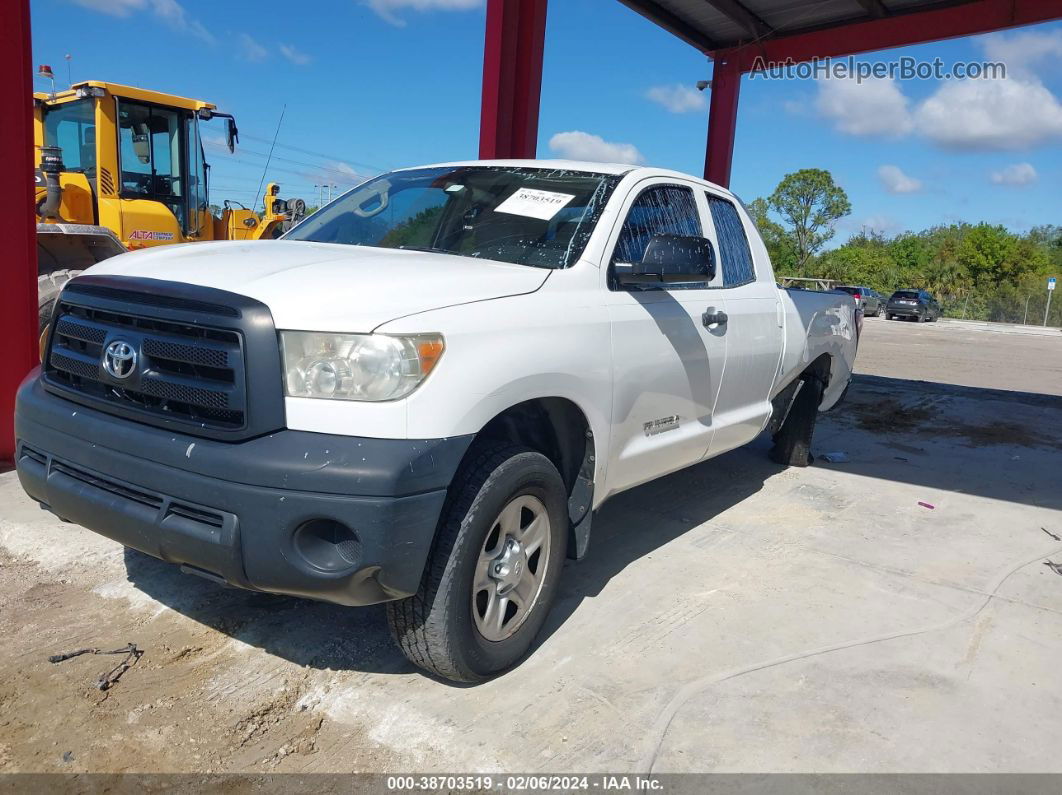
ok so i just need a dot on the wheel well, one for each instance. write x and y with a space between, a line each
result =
821 368
555 427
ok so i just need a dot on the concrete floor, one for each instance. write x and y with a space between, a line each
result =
732 617
996 355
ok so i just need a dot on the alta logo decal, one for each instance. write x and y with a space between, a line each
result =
146 234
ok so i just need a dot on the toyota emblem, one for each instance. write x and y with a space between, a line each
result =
119 359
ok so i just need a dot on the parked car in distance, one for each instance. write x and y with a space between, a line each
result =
421 393
917 304
870 301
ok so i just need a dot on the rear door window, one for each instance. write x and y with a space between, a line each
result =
735 256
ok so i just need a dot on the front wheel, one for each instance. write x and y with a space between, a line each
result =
494 567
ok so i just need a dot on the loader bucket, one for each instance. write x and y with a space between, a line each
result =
74 246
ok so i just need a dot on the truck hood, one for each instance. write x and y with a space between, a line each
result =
327 286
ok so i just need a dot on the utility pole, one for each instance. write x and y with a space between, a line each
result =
1025 320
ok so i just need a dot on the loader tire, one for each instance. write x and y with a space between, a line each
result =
792 442
49 286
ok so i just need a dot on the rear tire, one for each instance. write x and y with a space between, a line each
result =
442 627
792 442
49 286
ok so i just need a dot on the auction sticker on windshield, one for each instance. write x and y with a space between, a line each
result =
542 204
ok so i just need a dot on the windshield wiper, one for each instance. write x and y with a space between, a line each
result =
429 249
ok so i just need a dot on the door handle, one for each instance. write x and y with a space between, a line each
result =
713 318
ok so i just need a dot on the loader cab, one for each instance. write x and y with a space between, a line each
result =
133 161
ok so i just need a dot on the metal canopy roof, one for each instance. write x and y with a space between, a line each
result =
712 25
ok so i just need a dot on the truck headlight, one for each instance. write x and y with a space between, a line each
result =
369 367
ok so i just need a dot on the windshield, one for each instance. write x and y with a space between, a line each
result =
72 127
850 290
905 294
527 216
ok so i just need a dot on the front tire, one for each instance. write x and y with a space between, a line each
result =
493 571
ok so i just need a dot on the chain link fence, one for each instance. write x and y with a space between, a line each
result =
1005 305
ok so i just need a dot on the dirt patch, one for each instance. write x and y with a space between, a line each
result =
890 416
193 702
930 418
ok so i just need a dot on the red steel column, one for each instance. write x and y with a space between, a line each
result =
512 78
18 265
722 119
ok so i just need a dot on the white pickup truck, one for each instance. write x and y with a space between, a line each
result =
421 394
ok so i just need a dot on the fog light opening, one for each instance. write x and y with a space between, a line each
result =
328 545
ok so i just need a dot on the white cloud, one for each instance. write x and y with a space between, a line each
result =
875 107
387 9
335 172
169 11
1018 174
1012 114
297 57
895 181
677 98
251 49
216 143
1015 113
878 224
116 8
577 145
1021 51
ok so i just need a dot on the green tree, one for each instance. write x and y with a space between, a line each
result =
810 202
779 244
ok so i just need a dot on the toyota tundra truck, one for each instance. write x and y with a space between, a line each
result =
421 394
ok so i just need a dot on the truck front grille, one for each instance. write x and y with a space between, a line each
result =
185 372
184 357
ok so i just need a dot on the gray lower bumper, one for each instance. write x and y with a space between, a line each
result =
240 512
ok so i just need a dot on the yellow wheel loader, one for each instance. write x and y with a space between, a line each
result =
122 168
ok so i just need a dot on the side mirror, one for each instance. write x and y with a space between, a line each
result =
232 135
142 147
670 259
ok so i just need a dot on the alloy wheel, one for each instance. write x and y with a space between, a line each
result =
511 568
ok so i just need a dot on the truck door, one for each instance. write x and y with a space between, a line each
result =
667 364
753 329
152 176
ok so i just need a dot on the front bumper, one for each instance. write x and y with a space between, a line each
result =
265 514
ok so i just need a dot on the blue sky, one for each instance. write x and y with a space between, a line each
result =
377 84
